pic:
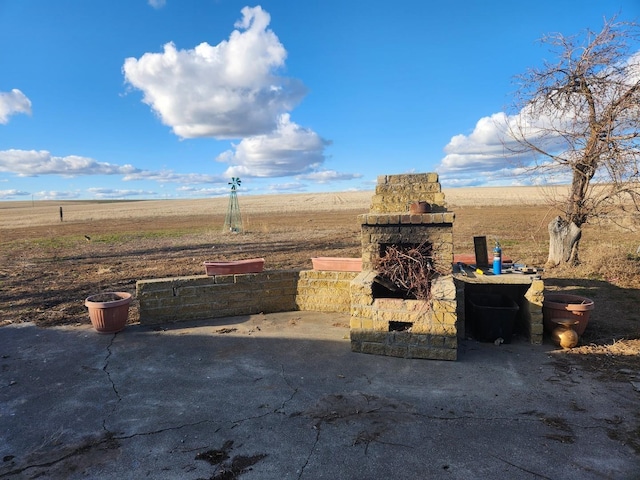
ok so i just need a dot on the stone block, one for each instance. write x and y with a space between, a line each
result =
419 340
537 329
399 338
444 354
248 277
443 288
400 351
367 323
450 342
224 279
419 352
373 348
445 306
535 293
438 198
149 288
438 327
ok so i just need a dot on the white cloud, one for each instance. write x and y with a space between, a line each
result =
169 176
327 176
487 155
32 163
483 148
11 103
111 193
287 187
227 91
157 3
53 195
200 192
6 194
289 150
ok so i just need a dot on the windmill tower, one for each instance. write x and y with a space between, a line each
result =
233 220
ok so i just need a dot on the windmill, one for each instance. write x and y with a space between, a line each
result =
233 220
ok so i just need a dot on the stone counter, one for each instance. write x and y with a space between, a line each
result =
526 290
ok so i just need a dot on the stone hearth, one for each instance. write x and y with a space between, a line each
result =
381 323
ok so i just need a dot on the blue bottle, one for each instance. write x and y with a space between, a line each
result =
497 259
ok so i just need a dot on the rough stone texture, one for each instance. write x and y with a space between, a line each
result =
431 325
394 193
199 297
535 297
385 229
404 344
324 291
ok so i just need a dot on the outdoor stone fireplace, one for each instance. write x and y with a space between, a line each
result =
383 321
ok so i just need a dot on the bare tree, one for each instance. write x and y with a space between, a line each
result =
580 116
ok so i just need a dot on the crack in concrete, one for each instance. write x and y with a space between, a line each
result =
89 445
311 452
105 369
539 475
107 439
294 391
162 430
279 410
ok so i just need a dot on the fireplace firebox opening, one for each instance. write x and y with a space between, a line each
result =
400 326
405 270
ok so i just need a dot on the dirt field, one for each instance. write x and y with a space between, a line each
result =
49 266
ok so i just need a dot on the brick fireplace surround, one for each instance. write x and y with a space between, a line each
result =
397 326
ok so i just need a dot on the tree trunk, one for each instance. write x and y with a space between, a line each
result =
564 238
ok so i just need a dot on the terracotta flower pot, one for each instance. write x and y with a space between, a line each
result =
252 265
558 306
108 311
337 264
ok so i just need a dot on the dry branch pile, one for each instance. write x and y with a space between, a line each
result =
410 268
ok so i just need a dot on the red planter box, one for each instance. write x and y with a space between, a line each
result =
252 265
337 264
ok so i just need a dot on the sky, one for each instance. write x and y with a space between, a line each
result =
163 99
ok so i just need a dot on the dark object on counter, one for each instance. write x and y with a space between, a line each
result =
482 255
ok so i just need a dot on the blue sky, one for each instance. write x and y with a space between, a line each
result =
155 99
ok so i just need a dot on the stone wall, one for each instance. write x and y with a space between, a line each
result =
200 297
324 291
